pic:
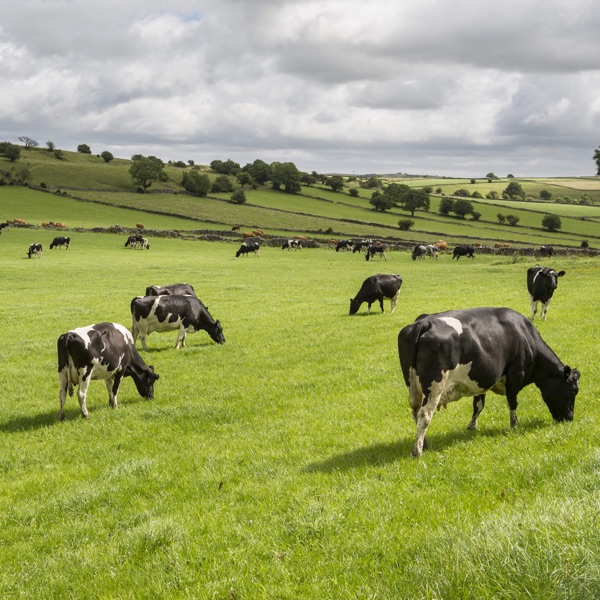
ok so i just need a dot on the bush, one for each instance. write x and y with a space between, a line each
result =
405 224
585 244
551 222
239 196
353 192
84 149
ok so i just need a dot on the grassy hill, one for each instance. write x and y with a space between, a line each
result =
70 188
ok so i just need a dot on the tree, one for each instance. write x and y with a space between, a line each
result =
28 142
229 167
51 146
380 201
286 175
84 149
545 195
514 190
353 192
462 208
462 193
222 184
551 222
145 171
501 218
308 178
336 183
415 199
239 196
12 152
446 206
196 183
491 175
597 160
512 220
245 179
475 215
106 156
405 224
395 192
260 171
372 182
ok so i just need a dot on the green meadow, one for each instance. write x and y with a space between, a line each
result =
278 465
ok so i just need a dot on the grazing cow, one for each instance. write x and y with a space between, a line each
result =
422 250
175 289
344 245
35 249
448 355
3 225
291 245
169 313
376 288
546 252
60 242
247 247
463 250
541 283
137 241
103 351
373 250
358 246
236 228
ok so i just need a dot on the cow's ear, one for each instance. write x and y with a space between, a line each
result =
561 273
571 374
566 371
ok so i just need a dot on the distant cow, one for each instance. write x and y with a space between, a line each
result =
175 289
546 252
103 351
344 245
291 245
375 289
3 225
169 313
35 249
373 250
60 242
423 250
358 246
137 241
463 250
541 283
458 353
236 228
247 247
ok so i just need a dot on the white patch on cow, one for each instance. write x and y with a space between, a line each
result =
124 332
84 334
454 323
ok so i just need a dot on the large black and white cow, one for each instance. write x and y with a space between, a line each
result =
541 283
373 250
60 242
103 351
35 249
291 245
169 313
448 355
248 247
137 241
344 245
175 289
375 289
464 250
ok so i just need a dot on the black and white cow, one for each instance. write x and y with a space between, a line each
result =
344 245
137 241
546 251
103 351
247 247
375 289
464 250
291 245
169 313
423 250
35 249
373 250
448 355
61 241
541 283
3 225
358 246
175 289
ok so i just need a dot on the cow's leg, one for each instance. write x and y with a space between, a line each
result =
180 338
512 390
143 335
381 303
63 378
82 394
369 308
395 301
112 385
545 309
533 307
478 404
423 414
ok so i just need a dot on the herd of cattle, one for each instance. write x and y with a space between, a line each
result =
443 356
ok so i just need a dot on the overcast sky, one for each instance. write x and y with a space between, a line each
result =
439 87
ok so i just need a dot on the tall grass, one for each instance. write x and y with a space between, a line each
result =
277 465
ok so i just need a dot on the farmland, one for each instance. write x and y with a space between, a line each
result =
278 465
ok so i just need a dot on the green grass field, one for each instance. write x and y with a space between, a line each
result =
278 465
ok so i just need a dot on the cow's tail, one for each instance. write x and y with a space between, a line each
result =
64 360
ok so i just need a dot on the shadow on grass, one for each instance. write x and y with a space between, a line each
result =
381 454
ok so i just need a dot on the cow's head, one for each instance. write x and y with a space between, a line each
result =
145 383
551 277
354 306
559 393
216 332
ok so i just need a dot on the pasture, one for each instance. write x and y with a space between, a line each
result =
278 465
